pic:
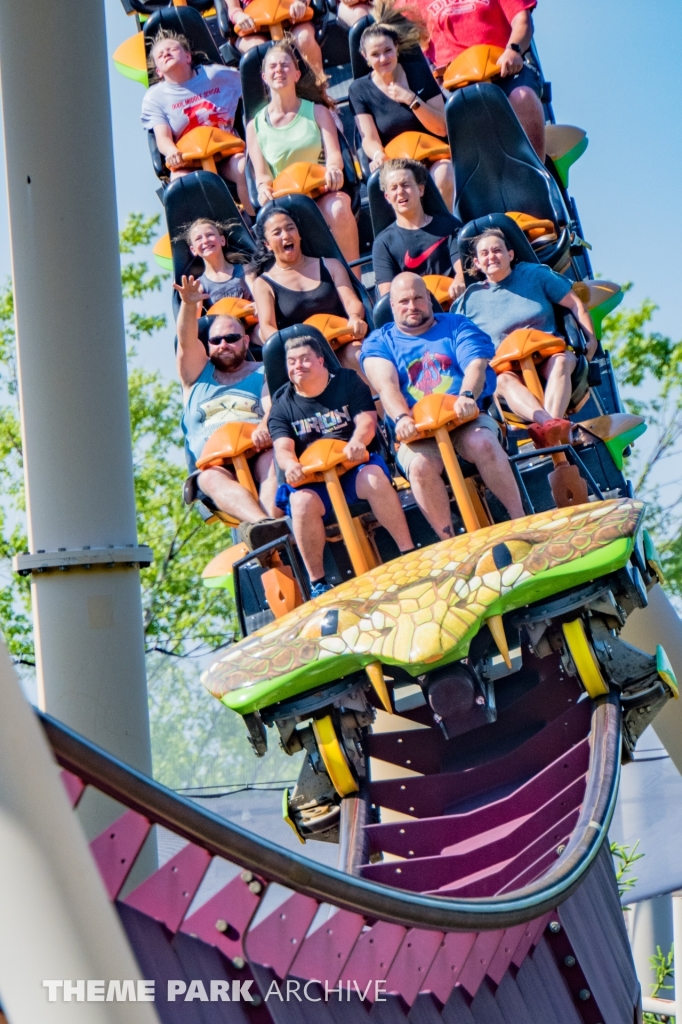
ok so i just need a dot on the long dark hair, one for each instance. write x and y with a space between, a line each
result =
308 87
405 27
263 259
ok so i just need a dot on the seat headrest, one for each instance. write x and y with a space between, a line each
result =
186 22
274 358
202 194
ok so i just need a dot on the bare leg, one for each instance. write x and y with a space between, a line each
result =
349 15
443 174
306 42
229 496
520 400
528 109
336 209
307 512
430 493
557 372
480 446
265 475
245 43
373 486
233 169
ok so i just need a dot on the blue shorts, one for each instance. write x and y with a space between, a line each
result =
527 76
348 483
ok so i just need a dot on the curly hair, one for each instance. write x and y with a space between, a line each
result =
405 26
308 87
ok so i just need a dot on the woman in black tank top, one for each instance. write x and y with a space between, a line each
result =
284 295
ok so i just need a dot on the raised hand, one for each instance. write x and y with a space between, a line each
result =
190 290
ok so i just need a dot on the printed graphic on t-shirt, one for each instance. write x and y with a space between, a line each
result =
428 375
203 112
457 7
226 409
412 262
322 422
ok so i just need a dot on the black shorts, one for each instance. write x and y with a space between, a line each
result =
528 76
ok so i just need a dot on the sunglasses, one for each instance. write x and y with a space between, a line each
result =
229 339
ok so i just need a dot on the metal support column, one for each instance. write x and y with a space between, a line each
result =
72 373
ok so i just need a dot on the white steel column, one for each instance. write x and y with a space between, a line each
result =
72 368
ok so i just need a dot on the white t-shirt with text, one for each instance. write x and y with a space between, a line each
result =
210 97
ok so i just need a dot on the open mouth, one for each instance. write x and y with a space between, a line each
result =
288 246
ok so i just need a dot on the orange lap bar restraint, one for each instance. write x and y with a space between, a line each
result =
302 179
232 442
204 144
534 228
239 309
335 328
270 14
477 64
522 350
417 146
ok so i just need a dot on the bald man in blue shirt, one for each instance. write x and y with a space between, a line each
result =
422 353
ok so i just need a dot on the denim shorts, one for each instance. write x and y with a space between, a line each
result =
348 485
527 76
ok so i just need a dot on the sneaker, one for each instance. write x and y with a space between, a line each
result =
550 433
318 589
255 535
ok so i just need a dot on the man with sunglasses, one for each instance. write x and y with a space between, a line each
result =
219 386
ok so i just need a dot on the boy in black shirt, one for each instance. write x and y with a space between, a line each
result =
415 242
316 404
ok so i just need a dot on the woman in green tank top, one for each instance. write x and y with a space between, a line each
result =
291 129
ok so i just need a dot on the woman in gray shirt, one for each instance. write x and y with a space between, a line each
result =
513 297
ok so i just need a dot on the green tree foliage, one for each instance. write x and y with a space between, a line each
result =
648 367
181 617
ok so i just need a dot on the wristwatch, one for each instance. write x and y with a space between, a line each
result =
467 394
515 47
416 102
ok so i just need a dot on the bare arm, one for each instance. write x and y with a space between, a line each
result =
285 454
166 143
383 377
239 17
510 63
473 380
576 306
261 167
431 113
332 150
265 308
371 143
261 436
365 429
351 303
191 356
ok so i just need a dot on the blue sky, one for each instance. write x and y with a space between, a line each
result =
614 70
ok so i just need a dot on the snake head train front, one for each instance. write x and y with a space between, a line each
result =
445 636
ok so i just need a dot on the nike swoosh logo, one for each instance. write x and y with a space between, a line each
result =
412 262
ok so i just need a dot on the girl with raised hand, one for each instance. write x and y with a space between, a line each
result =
223 276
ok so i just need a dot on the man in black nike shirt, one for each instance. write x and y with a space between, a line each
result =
415 242
317 404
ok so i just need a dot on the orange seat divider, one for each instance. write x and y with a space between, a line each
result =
477 64
266 13
222 564
417 146
240 309
301 178
228 442
281 590
439 286
334 328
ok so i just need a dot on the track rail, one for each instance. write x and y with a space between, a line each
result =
220 838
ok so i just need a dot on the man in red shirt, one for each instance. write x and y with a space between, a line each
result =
455 25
